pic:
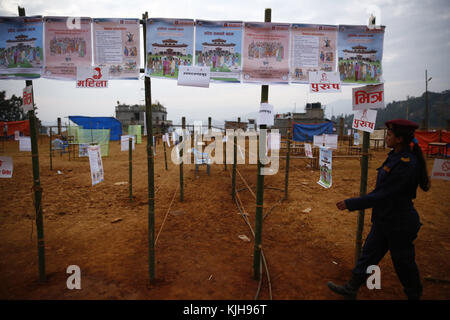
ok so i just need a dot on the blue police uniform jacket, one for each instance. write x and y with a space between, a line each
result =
396 186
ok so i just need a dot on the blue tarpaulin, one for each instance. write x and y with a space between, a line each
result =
100 123
306 132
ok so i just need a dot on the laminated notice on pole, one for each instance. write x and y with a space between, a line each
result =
356 139
325 160
441 169
167 139
16 135
24 144
27 99
364 120
326 140
308 150
124 142
194 76
265 115
83 150
273 141
6 167
95 160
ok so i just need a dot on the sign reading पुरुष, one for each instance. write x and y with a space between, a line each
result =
6 167
364 120
324 82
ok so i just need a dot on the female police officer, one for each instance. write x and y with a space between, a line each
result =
395 221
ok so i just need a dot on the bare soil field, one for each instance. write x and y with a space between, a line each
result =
199 254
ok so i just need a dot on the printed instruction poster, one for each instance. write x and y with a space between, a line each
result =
116 45
218 45
360 53
313 49
67 46
95 161
21 47
266 53
170 44
325 165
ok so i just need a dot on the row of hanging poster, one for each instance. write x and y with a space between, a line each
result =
235 51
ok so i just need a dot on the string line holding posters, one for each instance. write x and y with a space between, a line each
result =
218 46
313 48
67 46
21 47
170 44
117 46
360 53
266 52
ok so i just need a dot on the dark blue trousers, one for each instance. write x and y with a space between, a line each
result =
399 241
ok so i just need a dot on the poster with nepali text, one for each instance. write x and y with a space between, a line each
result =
67 46
21 47
313 49
170 44
266 53
96 164
325 166
116 46
218 46
360 52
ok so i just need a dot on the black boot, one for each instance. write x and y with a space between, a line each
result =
350 289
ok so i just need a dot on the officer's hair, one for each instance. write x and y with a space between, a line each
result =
408 135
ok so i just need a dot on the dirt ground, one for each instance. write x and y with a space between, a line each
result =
199 254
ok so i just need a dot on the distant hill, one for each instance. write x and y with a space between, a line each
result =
438 104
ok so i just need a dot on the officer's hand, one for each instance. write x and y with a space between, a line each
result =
341 205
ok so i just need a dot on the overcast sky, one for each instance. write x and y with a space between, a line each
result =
417 37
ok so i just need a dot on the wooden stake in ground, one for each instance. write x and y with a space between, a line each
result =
288 155
181 139
150 165
36 182
233 176
260 181
51 150
165 155
363 191
130 166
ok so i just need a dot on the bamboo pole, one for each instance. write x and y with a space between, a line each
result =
165 155
260 180
130 166
363 191
36 182
288 155
51 149
233 176
183 126
150 165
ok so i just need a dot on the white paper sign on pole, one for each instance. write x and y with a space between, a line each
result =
124 142
308 150
325 165
364 120
145 124
6 167
320 81
368 97
154 146
16 135
24 144
95 160
167 139
349 132
265 115
194 76
273 141
92 77
356 139
441 169
83 150
326 140
27 99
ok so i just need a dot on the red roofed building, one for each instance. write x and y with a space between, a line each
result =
218 45
169 47
360 53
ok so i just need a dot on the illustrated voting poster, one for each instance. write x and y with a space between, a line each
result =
360 52
218 46
95 161
266 53
170 44
313 49
21 47
67 46
116 45
325 162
